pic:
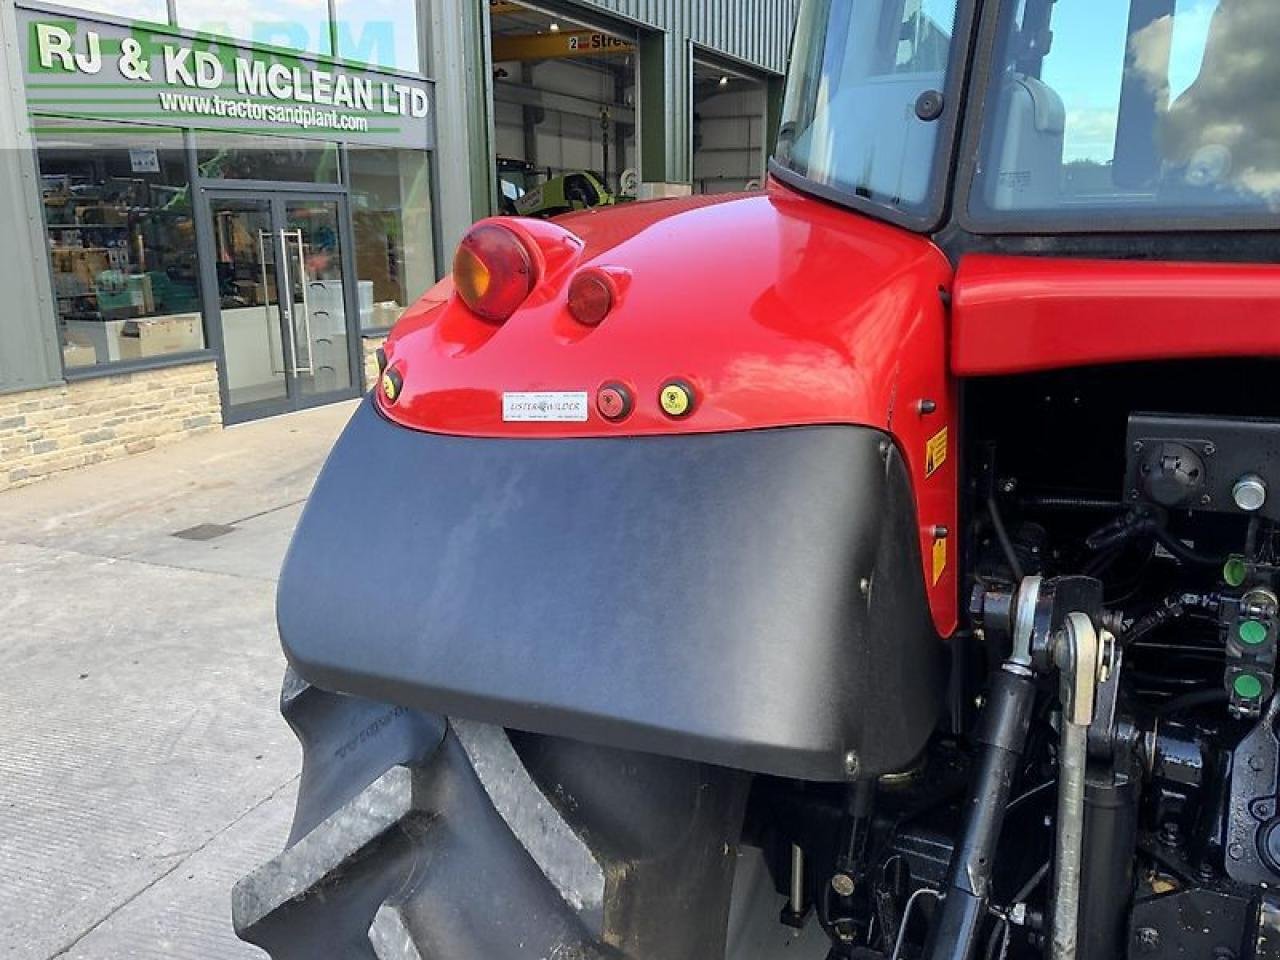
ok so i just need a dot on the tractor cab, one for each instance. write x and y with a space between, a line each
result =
1077 116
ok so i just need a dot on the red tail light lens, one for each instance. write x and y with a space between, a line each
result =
591 297
492 272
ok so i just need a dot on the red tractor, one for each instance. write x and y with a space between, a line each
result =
880 566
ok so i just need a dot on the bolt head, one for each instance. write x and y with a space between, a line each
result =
842 884
851 764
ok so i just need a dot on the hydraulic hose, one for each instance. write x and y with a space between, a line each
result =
1002 535
967 893
1139 523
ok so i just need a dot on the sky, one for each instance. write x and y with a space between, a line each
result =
1086 64
380 32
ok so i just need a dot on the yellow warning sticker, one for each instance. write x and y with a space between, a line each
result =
939 559
935 452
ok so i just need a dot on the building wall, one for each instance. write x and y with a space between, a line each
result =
729 141
565 139
69 425
755 32
28 345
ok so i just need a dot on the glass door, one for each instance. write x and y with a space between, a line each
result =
254 371
282 302
316 298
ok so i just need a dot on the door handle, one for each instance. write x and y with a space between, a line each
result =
285 237
286 304
266 300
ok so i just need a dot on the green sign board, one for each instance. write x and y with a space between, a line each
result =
152 74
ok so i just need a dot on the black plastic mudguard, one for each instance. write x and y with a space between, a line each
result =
700 596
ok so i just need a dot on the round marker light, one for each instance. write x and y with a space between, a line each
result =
492 272
392 384
676 398
590 297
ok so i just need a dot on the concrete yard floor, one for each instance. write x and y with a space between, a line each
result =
143 764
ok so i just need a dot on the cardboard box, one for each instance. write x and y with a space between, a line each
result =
158 336
252 292
78 355
69 285
86 263
385 314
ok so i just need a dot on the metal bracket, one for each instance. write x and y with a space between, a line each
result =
1085 657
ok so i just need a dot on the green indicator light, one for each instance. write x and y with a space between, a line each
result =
1234 570
1252 633
1247 686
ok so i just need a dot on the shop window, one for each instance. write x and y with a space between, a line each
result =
295 25
247 157
381 33
121 239
394 249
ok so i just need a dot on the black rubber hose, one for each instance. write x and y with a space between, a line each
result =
1182 551
1003 536
1136 525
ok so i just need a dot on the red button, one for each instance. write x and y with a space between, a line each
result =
613 401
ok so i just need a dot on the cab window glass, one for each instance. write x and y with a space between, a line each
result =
1154 107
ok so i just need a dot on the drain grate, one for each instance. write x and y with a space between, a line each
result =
204 531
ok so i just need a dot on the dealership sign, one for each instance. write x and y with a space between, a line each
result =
147 73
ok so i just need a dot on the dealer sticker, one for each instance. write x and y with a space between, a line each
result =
562 407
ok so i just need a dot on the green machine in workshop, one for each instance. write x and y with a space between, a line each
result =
524 191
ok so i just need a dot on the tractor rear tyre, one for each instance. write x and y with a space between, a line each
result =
420 838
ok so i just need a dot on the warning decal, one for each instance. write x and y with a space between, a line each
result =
935 452
939 559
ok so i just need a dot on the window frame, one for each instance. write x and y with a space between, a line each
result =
971 213
932 213
112 368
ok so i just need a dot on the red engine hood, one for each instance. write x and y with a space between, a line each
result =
779 310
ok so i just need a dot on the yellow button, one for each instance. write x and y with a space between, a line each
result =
391 385
676 399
